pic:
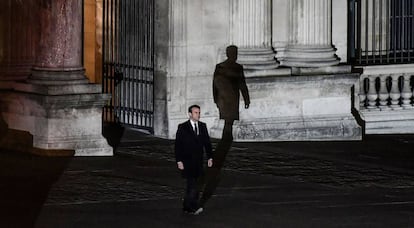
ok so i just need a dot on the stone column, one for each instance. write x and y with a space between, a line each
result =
177 64
57 105
251 31
310 38
18 39
59 52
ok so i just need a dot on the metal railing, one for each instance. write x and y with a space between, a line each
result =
381 31
128 62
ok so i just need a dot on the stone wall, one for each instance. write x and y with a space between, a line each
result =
196 32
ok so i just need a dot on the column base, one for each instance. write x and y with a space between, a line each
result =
57 76
305 56
13 71
259 62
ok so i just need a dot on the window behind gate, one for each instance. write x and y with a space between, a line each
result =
381 32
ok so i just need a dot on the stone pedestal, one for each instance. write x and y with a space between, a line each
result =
297 108
60 118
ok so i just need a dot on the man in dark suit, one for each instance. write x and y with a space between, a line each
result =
192 140
228 82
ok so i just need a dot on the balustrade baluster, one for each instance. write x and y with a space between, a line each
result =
395 93
383 93
362 94
406 93
372 93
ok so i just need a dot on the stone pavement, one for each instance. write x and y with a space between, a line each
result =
283 184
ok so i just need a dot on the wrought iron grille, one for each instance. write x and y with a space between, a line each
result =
381 31
128 62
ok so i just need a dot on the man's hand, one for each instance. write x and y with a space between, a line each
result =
210 162
246 106
180 165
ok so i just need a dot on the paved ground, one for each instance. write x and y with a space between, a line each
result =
285 184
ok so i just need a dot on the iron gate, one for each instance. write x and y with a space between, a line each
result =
128 62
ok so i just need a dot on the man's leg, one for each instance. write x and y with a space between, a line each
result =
190 203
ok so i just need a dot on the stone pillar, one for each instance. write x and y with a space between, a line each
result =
57 105
251 31
251 23
18 39
177 64
310 38
59 52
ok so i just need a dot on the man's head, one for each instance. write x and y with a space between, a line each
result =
231 52
194 112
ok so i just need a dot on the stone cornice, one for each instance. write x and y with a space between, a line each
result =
350 78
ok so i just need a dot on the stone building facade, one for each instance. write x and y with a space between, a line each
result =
315 69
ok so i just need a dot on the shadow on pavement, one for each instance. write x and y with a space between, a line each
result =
113 133
25 183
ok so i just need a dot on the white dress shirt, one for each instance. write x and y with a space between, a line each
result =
193 123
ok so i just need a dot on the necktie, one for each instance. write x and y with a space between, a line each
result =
195 128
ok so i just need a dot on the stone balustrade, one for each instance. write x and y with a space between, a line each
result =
385 97
379 92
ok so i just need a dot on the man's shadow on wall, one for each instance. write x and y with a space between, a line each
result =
228 82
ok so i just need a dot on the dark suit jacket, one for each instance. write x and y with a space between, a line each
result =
189 148
227 82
